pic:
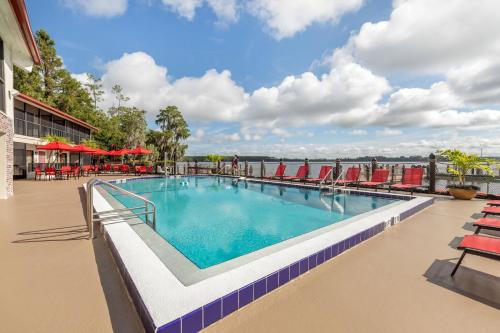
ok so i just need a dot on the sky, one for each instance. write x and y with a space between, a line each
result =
295 78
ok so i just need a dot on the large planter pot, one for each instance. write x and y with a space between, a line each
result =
462 193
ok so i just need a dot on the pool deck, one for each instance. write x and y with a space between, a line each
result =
55 280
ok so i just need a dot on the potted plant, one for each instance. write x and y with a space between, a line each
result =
214 158
462 163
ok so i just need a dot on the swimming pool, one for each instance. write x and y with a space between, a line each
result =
211 220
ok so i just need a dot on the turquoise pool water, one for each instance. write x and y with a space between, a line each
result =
210 220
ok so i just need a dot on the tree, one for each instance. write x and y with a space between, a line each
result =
94 86
175 130
117 90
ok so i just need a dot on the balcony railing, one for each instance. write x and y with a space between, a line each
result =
23 127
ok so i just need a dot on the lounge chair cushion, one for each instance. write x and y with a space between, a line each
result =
487 222
485 244
491 210
493 203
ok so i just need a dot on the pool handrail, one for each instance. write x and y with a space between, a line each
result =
329 173
90 207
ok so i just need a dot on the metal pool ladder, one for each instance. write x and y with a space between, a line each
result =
116 214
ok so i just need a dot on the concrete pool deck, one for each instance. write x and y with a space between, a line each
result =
55 280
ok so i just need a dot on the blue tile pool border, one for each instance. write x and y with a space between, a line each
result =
219 308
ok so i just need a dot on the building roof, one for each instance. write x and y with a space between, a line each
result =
19 9
32 101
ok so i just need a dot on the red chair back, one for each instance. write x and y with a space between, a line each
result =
76 170
352 174
150 169
65 169
380 175
125 168
50 171
325 169
301 173
38 171
280 171
413 176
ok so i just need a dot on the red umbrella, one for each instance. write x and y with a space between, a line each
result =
84 149
99 151
139 151
118 152
56 145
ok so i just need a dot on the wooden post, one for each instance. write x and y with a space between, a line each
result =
218 166
281 163
374 165
196 167
246 168
262 169
392 173
306 163
432 173
337 168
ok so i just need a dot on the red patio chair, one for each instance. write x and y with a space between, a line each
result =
478 245
141 170
280 172
301 174
125 168
412 179
75 172
50 172
38 173
351 177
493 203
107 168
324 172
87 169
116 167
379 178
65 171
150 169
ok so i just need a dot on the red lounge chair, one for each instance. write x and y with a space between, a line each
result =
301 174
479 245
491 210
150 169
325 171
493 203
280 172
379 178
38 173
351 177
487 223
412 179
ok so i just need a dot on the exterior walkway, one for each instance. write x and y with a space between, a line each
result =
55 280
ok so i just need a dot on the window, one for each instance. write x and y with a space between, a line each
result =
2 79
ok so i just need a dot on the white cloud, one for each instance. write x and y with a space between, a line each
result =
428 36
225 10
358 132
388 132
368 147
477 82
98 8
213 96
344 96
286 18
